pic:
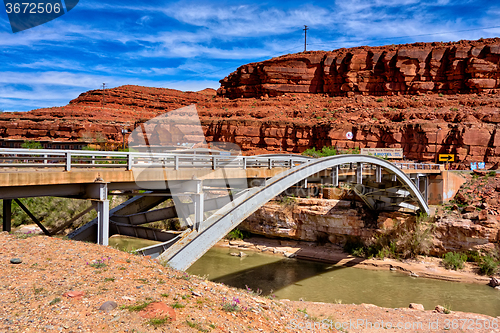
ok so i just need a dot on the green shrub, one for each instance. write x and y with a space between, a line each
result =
237 234
286 200
355 247
454 260
488 265
379 100
405 240
325 151
473 256
28 144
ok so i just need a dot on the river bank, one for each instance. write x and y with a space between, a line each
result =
61 284
423 266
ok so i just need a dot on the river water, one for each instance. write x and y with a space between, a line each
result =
312 281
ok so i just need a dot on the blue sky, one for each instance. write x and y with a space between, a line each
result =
191 45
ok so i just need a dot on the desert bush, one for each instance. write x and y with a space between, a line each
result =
488 265
405 240
454 260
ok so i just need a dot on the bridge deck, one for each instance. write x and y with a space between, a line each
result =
39 176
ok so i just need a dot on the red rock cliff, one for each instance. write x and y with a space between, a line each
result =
461 67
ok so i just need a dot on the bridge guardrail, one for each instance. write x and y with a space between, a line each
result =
49 158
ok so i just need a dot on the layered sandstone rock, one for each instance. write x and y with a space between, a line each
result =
337 221
314 220
461 67
466 125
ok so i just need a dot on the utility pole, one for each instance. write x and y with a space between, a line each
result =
103 87
305 37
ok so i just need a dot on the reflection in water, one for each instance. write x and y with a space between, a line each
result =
295 279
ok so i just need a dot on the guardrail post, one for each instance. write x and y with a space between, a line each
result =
270 163
244 163
214 162
68 161
176 162
45 157
130 161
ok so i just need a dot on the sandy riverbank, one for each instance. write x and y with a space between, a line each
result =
423 266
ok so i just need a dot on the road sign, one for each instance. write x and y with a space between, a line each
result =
349 135
383 152
481 165
473 166
446 158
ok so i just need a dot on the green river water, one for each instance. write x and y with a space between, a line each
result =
312 281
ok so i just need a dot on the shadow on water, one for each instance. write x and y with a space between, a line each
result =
323 282
275 274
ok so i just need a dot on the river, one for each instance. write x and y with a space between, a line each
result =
313 281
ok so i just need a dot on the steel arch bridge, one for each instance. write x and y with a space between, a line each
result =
186 248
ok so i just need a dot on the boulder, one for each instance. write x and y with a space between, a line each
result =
416 306
494 282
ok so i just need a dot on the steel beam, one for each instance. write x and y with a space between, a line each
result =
141 232
38 223
69 190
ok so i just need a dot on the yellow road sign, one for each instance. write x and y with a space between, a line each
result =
446 157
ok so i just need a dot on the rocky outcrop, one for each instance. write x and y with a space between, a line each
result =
311 220
460 67
336 221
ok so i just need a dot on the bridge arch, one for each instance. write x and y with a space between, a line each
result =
194 244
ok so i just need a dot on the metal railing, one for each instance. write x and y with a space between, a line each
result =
69 159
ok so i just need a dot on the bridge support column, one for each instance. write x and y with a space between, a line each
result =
359 173
425 192
378 174
102 208
198 201
7 214
335 176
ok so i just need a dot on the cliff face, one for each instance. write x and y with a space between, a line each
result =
463 124
461 67
336 221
